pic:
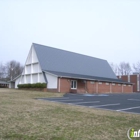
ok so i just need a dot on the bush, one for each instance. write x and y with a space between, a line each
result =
36 85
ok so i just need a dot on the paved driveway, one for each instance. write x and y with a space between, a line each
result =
117 102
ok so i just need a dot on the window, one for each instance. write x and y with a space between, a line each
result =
124 85
138 86
92 82
73 84
100 82
113 84
107 83
119 84
128 78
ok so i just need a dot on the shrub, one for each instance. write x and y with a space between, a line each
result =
36 85
33 86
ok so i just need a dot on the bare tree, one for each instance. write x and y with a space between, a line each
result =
2 71
121 68
13 69
10 70
136 67
124 68
127 69
114 68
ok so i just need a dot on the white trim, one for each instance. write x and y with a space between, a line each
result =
80 78
52 81
32 62
31 79
38 78
28 56
51 73
59 85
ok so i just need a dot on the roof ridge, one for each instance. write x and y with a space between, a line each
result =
68 51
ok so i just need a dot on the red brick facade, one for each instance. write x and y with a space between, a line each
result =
86 86
133 79
64 85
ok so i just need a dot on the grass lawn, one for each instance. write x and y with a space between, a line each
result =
24 118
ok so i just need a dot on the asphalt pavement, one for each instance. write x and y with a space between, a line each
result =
115 102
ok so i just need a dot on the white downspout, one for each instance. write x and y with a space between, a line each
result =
59 85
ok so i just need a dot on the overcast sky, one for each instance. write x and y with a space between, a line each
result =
107 29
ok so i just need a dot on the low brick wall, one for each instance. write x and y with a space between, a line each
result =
52 90
34 89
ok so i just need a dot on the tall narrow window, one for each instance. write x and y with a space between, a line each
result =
128 78
73 84
138 84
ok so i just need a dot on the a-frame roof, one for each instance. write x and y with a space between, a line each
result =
52 59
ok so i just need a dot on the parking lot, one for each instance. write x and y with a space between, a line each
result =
116 102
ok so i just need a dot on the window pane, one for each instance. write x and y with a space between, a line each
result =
74 84
71 84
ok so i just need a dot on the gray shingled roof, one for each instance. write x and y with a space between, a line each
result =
3 82
52 59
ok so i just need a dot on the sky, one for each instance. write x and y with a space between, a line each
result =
106 29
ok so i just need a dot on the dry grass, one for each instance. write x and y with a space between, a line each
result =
24 118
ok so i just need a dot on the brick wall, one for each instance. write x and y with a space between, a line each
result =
81 86
103 87
116 88
64 85
124 78
133 79
92 87
127 89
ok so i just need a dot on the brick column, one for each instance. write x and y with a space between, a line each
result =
97 87
110 87
122 88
